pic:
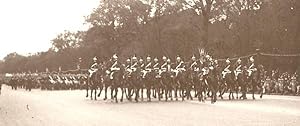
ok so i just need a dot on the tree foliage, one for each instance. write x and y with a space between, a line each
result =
226 28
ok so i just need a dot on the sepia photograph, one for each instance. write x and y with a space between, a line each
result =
150 63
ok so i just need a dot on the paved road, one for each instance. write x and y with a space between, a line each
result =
71 108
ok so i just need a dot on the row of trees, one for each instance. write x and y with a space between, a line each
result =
226 28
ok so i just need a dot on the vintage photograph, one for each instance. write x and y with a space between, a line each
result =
150 63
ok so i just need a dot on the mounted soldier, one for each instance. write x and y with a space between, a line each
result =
148 76
141 80
178 70
192 73
115 76
93 68
227 68
135 76
156 70
212 79
253 75
239 78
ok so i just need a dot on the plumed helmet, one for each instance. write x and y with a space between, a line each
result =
168 60
239 60
115 56
227 60
178 58
148 58
155 59
95 59
141 60
164 58
251 59
193 57
207 56
134 58
128 60
216 61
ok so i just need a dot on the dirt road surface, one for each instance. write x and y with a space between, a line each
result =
71 108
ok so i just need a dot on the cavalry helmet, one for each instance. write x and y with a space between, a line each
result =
115 56
193 57
227 60
251 59
148 58
95 58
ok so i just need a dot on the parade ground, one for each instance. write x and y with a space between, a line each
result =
72 108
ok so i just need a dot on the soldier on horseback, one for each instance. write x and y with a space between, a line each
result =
114 75
91 78
252 75
239 78
94 67
228 80
227 69
156 70
135 76
141 67
179 68
147 71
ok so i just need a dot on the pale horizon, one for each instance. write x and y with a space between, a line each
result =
29 26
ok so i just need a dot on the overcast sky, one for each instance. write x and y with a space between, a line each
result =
27 26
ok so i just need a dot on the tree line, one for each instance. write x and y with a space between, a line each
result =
225 28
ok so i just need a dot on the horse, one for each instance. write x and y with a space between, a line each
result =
166 84
212 82
93 81
255 81
240 82
228 81
180 84
137 83
116 80
148 82
105 80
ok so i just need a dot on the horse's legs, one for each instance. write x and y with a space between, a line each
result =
116 94
142 93
112 92
91 94
122 93
101 88
253 91
87 90
137 90
105 92
95 97
262 91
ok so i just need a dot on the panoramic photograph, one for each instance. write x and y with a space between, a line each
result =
150 63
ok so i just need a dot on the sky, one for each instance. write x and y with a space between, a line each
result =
28 26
